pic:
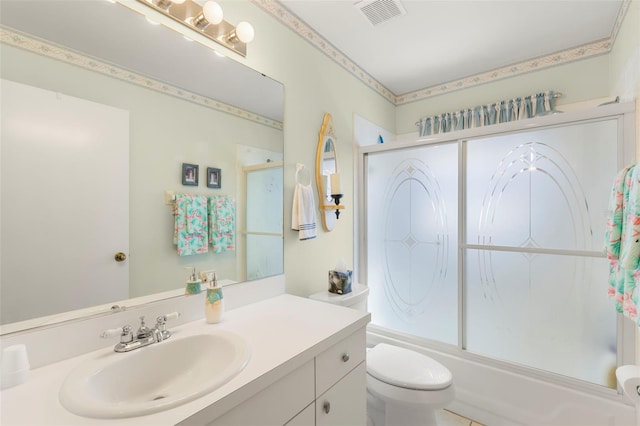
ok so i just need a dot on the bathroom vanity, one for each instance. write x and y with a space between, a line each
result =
307 367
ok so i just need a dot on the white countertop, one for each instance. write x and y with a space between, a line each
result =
283 333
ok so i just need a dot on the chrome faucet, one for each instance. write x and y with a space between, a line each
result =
143 337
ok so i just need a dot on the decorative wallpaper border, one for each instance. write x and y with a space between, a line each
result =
289 19
53 51
566 56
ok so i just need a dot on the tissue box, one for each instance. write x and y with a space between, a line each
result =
340 282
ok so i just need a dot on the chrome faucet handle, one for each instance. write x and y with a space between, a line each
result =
172 315
161 324
125 334
143 330
162 319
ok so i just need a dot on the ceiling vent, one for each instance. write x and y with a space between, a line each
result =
380 11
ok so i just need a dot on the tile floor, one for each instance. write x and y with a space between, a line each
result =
448 418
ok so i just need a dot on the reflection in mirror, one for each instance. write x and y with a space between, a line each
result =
328 175
263 185
100 109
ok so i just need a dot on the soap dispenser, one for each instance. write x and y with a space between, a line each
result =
214 302
193 283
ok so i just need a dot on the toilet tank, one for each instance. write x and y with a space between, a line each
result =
357 299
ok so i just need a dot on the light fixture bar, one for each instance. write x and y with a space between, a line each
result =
185 13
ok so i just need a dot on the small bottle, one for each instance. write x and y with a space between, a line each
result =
214 302
193 283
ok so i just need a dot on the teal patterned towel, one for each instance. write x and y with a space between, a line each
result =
222 223
191 234
622 241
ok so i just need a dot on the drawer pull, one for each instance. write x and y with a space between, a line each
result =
345 357
326 407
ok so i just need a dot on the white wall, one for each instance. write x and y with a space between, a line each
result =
164 133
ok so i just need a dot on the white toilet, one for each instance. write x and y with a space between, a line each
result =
404 387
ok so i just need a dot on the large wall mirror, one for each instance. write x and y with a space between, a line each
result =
100 110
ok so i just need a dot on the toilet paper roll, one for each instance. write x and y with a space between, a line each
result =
629 379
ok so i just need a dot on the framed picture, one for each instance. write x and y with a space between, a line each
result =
214 177
189 174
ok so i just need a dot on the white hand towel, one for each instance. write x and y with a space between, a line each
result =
303 212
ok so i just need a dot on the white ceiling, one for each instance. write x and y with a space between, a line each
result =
440 41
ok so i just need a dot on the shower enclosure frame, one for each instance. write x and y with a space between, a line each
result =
626 333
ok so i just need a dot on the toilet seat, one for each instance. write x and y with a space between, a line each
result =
434 399
406 369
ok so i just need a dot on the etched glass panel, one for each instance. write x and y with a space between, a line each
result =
541 189
412 234
544 311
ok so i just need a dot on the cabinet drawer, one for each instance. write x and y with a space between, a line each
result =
345 404
276 404
337 361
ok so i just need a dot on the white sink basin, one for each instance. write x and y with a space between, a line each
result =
154 378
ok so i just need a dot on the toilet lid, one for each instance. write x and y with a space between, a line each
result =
407 369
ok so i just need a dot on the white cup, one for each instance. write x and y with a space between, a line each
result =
15 366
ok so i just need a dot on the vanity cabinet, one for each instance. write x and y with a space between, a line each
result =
329 389
305 418
341 382
275 405
307 368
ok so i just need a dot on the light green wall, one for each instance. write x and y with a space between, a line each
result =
612 74
625 65
314 84
624 58
577 81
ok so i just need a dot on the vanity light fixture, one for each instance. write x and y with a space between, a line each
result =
244 33
206 20
211 14
165 4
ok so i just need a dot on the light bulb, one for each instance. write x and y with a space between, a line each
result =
245 32
212 12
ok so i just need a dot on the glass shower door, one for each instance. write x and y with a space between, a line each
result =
536 276
412 236
495 245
